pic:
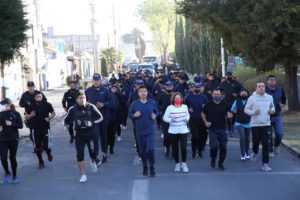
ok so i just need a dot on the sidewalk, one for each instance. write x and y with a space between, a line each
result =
54 97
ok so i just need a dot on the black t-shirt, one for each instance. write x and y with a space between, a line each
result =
42 110
216 114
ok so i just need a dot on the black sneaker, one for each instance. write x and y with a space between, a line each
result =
221 166
98 162
50 157
145 171
41 165
194 154
72 140
213 163
104 159
111 151
152 172
167 152
200 154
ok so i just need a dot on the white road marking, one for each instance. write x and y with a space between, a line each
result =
140 190
219 173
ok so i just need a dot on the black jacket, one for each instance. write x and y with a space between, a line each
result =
10 132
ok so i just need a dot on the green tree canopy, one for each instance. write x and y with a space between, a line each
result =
13 25
160 16
264 32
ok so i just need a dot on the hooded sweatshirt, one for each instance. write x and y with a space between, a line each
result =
263 103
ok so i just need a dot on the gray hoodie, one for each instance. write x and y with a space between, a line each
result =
262 103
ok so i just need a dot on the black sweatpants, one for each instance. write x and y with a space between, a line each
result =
179 139
112 129
80 142
10 146
218 141
261 135
167 139
103 125
41 138
199 134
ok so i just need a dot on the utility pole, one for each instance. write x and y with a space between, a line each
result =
115 35
223 58
93 21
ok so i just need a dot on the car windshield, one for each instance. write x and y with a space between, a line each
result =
146 66
150 59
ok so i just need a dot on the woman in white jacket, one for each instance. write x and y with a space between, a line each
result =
177 115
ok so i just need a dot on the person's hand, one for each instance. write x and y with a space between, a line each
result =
99 105
89 124
1 128
229 115
33 113
153 116
234 94
208 124
137 114
234 111
191 110
257 112
47 119
271 112
282 105
8 123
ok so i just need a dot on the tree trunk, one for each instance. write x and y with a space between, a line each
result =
2 89
292 82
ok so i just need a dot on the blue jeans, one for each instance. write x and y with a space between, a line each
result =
276 125
146 146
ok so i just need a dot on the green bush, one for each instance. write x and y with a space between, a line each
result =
248 77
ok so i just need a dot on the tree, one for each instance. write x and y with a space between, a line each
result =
266 33
179 41
111 57
104 67
13 24
160 16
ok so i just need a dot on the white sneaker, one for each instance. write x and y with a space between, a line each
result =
266 168
94 166
177 167
83 179
184 167
119 139
271 154
247 156
243 158
253 157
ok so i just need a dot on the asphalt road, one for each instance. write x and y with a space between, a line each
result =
121 177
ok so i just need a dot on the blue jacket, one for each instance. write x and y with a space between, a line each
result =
196 102
144 124
278 98
101 95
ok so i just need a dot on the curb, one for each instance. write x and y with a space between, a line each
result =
294 151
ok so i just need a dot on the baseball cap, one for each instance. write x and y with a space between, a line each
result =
168 83
96 77
139 82
5 101
197 85
229 74
30 84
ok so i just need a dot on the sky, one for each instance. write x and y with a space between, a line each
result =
73 17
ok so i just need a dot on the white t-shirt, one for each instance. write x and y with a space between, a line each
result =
177 117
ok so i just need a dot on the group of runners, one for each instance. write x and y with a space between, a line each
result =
210 109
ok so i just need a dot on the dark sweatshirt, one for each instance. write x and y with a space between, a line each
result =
10 132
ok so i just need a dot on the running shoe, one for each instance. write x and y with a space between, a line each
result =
6 178
83 179
266 168
184 167
94 166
